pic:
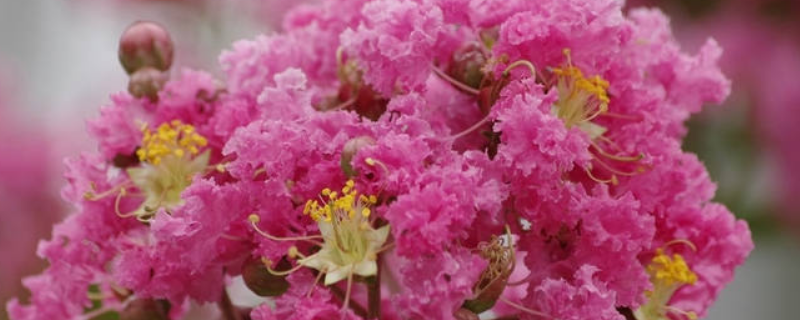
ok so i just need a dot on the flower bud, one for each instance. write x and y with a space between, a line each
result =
147 82
467 65
263 283
494 278
349 151
487 299
145 44
145 309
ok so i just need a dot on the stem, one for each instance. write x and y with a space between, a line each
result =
346 104
474 127
374 294
229 311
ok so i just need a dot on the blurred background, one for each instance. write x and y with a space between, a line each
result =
58 64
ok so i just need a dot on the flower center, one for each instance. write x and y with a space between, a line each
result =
170 158
580 99
351 244
670 271
170 139
667 274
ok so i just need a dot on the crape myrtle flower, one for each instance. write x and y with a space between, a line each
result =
400 159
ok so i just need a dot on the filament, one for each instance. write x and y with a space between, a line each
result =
314 286
258 172
681 241
122 193
384 248
601 110
89 195
621 116
254 219
612 180
283 273
616 157
688 314
519 63
525 309
615 171
458 84
372 162
469 130
346 104
349 288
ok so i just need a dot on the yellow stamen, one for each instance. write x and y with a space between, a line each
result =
668 274
351 245
580 99
671 270
173 138
336 204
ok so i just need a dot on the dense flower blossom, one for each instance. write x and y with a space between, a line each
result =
402 159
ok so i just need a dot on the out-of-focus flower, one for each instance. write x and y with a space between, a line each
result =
748 28
27 191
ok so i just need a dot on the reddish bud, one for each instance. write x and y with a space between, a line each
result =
263 283
147 82
145 44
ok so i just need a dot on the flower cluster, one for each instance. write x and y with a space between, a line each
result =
432 159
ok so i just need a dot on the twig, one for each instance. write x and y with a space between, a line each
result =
229 311
374 294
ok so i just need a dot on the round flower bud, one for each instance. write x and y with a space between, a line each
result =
145 44
263 283
147 82
467 64
145 309
349 151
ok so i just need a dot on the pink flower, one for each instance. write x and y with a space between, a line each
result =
394 44
436 286
578 298
376 160
441 208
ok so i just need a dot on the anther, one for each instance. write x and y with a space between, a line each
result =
254 220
